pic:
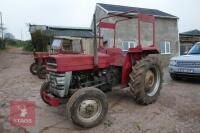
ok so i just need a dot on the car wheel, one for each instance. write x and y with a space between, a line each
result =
175 77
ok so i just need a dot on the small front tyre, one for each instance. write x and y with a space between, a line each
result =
87 107
41 73
33 68
44 89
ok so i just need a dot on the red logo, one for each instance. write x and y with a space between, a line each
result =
22 113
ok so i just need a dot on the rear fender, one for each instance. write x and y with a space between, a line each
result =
126 69
130 60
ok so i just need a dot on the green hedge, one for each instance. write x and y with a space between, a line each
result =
28 46
13 42
40 41
2 46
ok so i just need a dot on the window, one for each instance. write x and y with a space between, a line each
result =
128 44
195 49
56 43
67 45
165 47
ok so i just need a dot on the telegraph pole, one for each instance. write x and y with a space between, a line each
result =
21 36
3 46
1 26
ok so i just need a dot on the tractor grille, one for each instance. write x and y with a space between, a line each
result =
51 60
188 64
51 63
57 83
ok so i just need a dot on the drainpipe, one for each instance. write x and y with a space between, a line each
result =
179 43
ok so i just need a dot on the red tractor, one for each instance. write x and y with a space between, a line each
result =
80 80
60 45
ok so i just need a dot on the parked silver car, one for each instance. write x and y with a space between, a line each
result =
186 65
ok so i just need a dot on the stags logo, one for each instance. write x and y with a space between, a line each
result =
22 113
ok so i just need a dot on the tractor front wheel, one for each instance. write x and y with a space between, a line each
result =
146 80
33 68
41 73
87 107
44 90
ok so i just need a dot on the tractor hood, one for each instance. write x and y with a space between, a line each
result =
41 54
76 62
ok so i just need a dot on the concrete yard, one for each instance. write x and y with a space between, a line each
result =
176 111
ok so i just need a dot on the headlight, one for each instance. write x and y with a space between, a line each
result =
172 63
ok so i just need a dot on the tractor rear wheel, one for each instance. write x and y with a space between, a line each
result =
41 73
87 107
33 68
146 80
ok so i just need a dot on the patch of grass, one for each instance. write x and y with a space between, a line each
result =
1 49
14 43
137 125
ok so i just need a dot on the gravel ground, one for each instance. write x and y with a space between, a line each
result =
177 109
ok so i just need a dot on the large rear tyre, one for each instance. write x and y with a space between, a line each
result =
33 68
87 107
41 73
146 80
44 89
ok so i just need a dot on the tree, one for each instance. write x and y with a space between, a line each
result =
1 43
40 41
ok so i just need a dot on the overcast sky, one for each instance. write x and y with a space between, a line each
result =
78 13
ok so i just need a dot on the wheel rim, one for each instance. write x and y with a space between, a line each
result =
152 81
34 68
43 94
89 110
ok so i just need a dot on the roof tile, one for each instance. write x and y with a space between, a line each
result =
118 8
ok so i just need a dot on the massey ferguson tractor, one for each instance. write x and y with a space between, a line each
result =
60 45
81 80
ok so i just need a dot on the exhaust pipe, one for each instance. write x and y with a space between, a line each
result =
95 42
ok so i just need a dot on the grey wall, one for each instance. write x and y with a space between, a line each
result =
165 30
